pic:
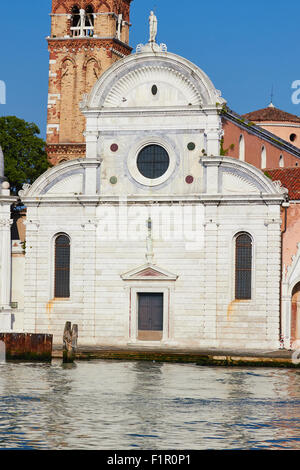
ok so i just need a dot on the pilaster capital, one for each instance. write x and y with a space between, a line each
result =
5 223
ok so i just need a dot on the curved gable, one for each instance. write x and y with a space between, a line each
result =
128 83
66 179
230 177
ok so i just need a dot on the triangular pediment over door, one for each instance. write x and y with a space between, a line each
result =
149 272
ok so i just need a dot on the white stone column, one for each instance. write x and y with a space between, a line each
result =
91 140
211 175
213 142
5 243
5 257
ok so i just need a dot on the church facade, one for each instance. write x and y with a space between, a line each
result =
151 237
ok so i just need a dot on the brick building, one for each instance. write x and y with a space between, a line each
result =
257 144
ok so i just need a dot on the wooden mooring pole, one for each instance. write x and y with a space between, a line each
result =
70 342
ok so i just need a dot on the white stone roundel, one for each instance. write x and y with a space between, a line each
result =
133 168
184 92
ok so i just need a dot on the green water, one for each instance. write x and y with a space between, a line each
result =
140 405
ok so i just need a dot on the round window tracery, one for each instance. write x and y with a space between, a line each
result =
153 161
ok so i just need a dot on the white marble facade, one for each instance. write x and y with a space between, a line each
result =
186 252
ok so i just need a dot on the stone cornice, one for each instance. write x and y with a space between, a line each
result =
88 43
4 199
175 111
205 199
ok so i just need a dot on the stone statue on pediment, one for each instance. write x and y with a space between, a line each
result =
153 27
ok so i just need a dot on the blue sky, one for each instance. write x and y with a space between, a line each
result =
244 47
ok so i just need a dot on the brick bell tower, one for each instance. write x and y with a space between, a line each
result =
87 37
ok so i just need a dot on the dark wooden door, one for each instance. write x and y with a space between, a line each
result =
150 312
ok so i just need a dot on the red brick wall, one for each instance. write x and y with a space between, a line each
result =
253 147
75 65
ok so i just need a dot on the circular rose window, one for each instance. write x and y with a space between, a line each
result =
153 161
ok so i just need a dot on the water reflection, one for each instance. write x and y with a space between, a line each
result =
144 405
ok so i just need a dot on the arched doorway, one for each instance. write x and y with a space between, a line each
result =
295 317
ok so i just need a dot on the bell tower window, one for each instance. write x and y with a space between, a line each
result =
75 21
82 23
89 21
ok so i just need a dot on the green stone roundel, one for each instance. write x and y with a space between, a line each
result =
191 146
113 180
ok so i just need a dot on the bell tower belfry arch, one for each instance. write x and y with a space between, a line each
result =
87 37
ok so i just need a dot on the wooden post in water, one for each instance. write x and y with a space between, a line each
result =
70 342
74 337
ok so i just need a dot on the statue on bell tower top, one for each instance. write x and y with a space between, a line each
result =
153 27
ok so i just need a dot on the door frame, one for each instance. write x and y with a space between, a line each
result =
134 312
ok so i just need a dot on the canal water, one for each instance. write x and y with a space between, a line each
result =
142 406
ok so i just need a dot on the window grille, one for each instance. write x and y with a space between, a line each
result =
153 161
62 267
243 267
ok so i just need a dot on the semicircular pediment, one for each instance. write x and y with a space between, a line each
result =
134 89
66 179
128 83
231 177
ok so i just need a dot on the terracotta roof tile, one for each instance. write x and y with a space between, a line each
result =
289 178
271 114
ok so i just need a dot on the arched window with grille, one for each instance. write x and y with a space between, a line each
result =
243 266
62 266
